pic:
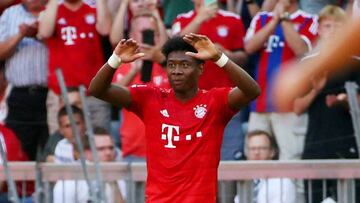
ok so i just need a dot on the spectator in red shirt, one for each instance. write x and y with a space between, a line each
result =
14 152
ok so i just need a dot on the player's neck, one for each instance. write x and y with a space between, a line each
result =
186 95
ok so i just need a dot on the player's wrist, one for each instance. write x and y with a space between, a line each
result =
222 61
114 61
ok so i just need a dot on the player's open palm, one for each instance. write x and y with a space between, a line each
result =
128 50
206 49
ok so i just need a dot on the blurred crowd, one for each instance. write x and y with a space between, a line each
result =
39 37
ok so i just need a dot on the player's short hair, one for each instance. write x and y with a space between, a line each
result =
332 11
177 43
76 110
273 144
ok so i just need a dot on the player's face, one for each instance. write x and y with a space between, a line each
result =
105 148
258 148
183 71
65 127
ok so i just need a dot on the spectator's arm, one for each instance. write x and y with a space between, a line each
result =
302 104
8 47
204 13
103 18
162 29
117 31
5 3
257 41
129 76
294 39
47 20
253 8
116 191
239 56
268 5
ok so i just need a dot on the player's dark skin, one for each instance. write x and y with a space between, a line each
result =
183 72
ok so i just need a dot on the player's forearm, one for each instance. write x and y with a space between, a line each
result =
117 31
47 20
101 87
8 47
102 81
104 19
294 40
243 80
257 42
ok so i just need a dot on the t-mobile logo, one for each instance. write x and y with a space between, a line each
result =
171 133
273 43
68 34
169 129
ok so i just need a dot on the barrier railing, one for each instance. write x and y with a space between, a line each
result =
241 171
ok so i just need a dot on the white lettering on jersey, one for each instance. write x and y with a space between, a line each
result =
274 42
171 133
68 34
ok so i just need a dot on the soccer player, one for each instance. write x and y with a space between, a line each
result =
184 124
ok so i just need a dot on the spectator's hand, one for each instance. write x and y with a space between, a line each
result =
280 8
337 100
136 66
152 53
27 30
206 12
150 5
128 50
206 50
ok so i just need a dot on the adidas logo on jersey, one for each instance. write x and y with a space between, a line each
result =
164 113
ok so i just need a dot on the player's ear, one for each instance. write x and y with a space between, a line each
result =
201 68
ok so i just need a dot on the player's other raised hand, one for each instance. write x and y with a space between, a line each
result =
128 50
206 49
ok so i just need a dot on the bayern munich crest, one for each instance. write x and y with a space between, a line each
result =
200 110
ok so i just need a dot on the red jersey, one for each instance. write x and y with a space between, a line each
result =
14 152
132 130
226 29
276 51
183 142
75 47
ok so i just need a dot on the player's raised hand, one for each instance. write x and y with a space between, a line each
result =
206 49
128 50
